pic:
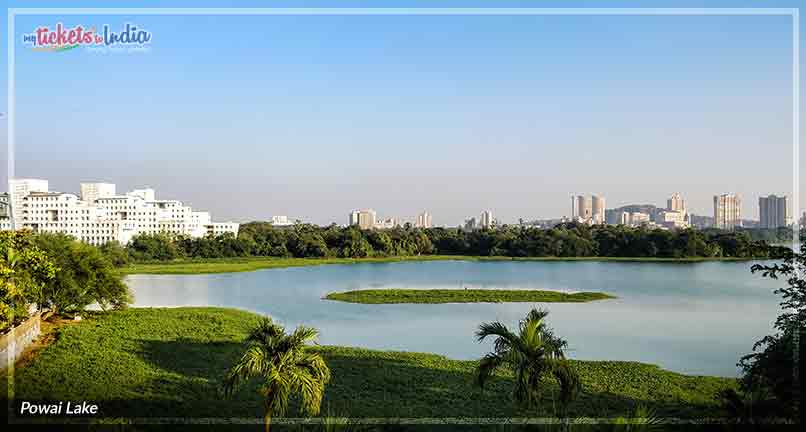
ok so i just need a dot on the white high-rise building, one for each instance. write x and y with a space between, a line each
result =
92 191
597 209
424 220
18 189
676 203
772 211
727 211
588 209
365 219
113 217
486 220
584 208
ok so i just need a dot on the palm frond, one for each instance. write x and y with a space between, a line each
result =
253 363
267 332
537 314
278 390
303 335
487 366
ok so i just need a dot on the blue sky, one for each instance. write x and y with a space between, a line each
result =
253 116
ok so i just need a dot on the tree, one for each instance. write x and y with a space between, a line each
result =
24 272
153 247
534 352
115 253
286 365
771 371
84 276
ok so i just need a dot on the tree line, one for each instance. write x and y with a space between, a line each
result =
261 239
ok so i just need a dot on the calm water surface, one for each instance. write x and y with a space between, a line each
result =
692 318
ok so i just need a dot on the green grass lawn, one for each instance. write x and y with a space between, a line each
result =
170 363
393 296
229 265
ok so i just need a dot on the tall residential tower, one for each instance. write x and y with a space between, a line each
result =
727 211
772 211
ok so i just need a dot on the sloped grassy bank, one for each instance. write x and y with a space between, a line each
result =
169 363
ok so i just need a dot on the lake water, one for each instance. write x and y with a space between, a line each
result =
692 318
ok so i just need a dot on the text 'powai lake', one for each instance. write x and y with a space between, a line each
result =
696 318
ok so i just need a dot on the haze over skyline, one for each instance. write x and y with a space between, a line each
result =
314 116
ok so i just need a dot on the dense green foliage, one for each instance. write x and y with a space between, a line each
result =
768 386
172 362
769 235
391 296
85 276
533 353
54 272
25 271
260 239
286 367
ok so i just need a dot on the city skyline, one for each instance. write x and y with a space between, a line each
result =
333 113
593 206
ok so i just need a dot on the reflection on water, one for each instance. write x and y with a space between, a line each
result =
693 318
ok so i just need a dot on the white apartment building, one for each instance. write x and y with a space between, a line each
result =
727 211
671 219
597 209
589 210
365 219
677 203
19 188
486 220
281 221
387 223
111 217
633 218
424 220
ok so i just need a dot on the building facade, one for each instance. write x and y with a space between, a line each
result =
590 210
676 203
632 218
486 220
597 209
281 221
584 208
671 219
727 211
18 189
772 211
109 218
90 192
365 219
424 220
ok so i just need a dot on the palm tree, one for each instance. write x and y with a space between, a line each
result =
532 353
285 365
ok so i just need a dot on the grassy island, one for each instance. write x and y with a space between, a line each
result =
394 296
171 362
